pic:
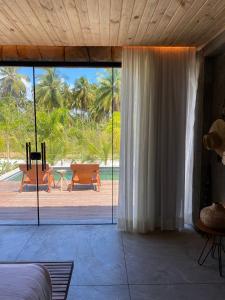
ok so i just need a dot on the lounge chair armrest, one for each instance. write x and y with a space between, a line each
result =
49 171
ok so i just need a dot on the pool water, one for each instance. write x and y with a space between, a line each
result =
105 174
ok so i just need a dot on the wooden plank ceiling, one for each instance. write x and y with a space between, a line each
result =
110 22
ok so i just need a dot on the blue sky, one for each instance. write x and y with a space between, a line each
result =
69 74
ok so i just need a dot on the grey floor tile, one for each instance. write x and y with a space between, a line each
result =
178 292
13 240
51 243
116 292
100 257
97 251
167 258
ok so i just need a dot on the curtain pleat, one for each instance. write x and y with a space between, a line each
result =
157 104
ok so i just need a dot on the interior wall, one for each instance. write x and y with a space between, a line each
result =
218 169
213 171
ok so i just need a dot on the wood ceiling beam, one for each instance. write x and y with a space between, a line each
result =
59 54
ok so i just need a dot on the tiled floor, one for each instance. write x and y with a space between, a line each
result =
110 265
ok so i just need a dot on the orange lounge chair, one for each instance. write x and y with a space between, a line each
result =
85 174
29 176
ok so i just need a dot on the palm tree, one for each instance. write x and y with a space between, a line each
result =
67 95
108 98
12 85
49 89
9 124
53 128
83 94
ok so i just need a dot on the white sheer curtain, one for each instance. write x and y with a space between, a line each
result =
158 99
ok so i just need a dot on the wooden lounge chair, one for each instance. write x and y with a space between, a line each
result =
85 174
29 176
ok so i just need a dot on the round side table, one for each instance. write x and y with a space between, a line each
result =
213 245
62 180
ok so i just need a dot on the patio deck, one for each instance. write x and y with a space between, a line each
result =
82 205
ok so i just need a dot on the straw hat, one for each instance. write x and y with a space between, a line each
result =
215 139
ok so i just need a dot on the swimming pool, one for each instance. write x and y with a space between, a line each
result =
105 174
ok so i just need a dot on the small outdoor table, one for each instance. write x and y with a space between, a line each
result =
62 180
213 244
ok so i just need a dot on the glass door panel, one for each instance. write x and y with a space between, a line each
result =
18 195
116 138
78 124
74 119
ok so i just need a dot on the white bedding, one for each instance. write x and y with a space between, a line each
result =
24 282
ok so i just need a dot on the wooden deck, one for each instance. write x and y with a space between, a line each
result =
81 206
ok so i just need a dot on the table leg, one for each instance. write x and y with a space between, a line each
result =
220 256
217 244
65 181
61 183
200 260
214 248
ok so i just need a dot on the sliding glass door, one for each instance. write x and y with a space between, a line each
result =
18 201
72 121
